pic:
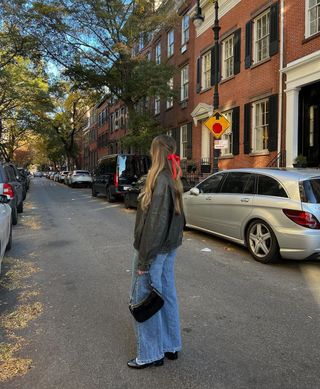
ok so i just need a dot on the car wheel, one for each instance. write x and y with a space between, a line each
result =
20 207
110 198
14 215
9 244
126 201
93 192
262 242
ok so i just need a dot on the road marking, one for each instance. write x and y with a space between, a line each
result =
107 207
312 275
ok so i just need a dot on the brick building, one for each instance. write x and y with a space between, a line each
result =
301 71
269 77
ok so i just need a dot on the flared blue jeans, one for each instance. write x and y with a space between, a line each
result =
161 333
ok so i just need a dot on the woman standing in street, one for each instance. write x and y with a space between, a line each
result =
158 233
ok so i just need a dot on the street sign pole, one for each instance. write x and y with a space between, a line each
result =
216 29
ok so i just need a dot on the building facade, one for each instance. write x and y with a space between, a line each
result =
269 75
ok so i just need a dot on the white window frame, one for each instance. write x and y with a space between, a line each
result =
260 125
157 102
184 83
169 103
185 30
158 53
228 57
228 136
183 141
170 43
308 10
262 39
206 70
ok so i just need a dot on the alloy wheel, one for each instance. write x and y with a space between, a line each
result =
260 240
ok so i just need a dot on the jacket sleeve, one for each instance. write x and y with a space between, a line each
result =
157 224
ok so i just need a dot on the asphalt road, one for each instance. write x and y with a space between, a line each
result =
244 324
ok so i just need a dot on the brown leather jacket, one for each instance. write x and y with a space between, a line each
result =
158 229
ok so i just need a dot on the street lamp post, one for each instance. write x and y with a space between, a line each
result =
197 21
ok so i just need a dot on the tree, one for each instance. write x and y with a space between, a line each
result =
24 99
100 43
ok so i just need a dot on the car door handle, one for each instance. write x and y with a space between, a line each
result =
244 200
209 198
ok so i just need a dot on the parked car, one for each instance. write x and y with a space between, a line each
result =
274 212
5 226
37 174
116 173
56 177
25 180
79 178
132 194
11 186
62 175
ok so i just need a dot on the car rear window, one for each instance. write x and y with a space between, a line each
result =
311 191
133 165
268 186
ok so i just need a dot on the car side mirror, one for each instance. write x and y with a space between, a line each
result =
195 191
4 199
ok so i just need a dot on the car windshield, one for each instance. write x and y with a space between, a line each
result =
312 190
81 172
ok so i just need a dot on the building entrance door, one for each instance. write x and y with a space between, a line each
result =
309 124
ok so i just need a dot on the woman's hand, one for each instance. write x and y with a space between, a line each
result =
141 272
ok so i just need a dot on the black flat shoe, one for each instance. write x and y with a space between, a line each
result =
171 356
134 365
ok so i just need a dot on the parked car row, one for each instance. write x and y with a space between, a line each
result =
273 212
14 184
73 178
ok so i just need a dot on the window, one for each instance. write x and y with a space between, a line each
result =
227 57
184 83
211 184
239 183
228 135
148 56
261 37
314 16
123 116
312 110
185 31
260 126
157 105
170 41
116 122
141 41
206 71
268 186
111 123
183 141
158 53
170 99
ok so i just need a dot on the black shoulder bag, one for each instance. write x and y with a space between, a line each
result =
150 305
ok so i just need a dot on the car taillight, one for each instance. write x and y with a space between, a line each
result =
8 191
115 179
304 219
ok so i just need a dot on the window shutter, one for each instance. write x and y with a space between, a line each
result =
199 75
212 66
236 51
247 129
274 29
176 137
189 138
247 62
235 130
273 123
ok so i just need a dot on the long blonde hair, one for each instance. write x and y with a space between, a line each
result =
161 147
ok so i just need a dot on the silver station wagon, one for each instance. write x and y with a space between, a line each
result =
274 212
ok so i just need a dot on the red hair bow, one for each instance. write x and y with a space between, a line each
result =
175 160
